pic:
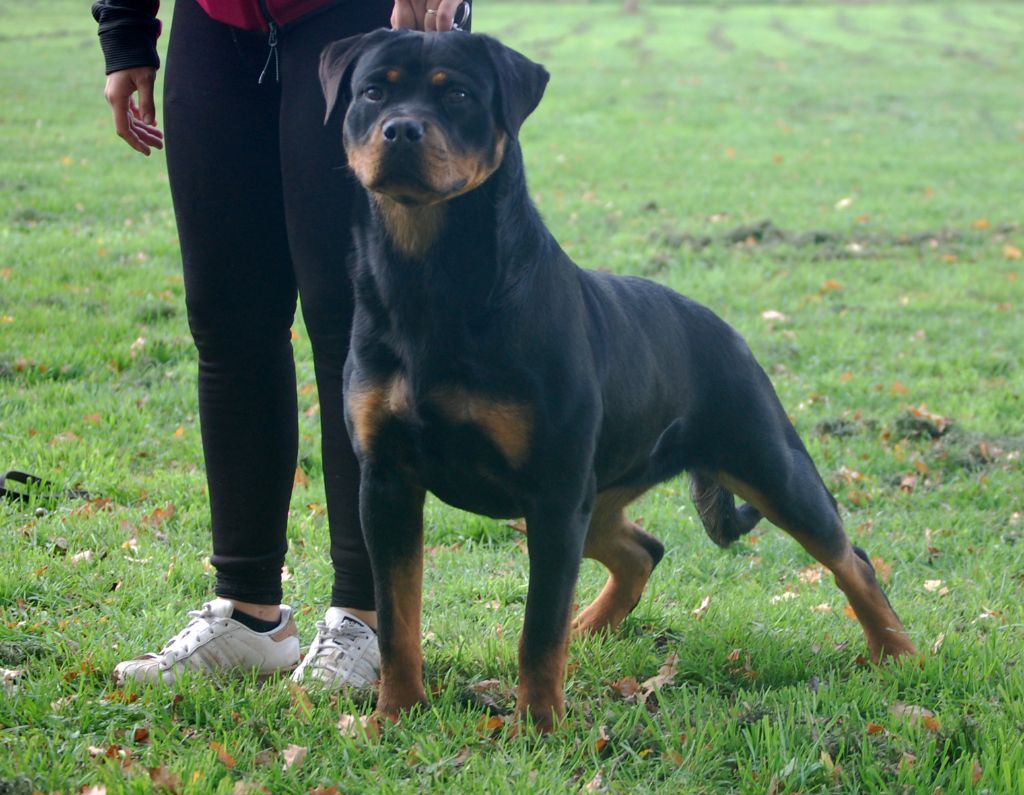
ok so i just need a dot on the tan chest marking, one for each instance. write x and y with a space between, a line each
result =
507 424
412 229
370 405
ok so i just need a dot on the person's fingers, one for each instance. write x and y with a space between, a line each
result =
121 107
430 19
135 126
446 14
403 15
146 104
149 134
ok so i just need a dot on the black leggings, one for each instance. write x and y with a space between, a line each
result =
261 199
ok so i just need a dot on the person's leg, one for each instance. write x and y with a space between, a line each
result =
318 195
223 162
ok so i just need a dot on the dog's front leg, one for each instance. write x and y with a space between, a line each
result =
391 509
556 531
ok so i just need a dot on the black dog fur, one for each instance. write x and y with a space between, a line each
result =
487 368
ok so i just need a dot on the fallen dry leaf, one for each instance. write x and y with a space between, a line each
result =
225 758
164 780
702 608
293 756
302 707
490 723
874 728
361 726
909 711
932 585
596 784
938 643
11 677
461 757
666 673
159 516
627 687
883 570
84 556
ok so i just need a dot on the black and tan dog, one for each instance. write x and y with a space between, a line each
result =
487 368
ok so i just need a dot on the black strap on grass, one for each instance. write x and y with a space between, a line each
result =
23 487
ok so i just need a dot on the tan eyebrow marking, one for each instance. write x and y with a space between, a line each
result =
393 75
439 78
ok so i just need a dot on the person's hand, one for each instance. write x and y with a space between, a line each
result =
428 15
135 123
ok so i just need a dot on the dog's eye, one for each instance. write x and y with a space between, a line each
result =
373 94
456 95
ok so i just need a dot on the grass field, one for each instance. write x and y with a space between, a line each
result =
842 183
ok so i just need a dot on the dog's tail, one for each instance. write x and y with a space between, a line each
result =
723 521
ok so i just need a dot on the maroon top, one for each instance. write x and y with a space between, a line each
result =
257 14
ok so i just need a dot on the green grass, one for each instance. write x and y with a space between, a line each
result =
856 169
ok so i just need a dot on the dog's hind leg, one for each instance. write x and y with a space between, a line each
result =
787 489
629 554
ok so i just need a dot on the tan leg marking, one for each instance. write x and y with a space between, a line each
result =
402 670
539 696
883 629
508 425
614 541
370 405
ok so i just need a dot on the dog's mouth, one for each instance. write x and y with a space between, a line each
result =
409 183
428 173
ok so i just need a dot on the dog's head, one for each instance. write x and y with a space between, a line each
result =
428 116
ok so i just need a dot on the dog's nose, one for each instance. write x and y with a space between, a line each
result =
403 130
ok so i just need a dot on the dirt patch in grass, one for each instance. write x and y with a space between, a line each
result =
951 446
833 244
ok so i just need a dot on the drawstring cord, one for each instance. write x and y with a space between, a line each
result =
272 55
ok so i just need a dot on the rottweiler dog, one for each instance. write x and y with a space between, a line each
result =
489 369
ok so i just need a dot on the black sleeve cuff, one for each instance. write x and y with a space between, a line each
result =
127 35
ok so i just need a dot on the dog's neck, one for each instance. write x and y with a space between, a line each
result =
486 232
411 229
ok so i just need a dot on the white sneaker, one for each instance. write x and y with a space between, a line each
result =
214 641
344 652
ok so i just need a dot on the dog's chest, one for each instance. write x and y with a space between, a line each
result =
463 443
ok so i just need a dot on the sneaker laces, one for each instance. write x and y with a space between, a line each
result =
329 647
200 628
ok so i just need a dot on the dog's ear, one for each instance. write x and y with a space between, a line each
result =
521 84
336 63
